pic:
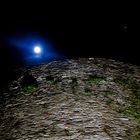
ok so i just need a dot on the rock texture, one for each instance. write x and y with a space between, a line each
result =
83 99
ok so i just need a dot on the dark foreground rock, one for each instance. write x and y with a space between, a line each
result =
84 99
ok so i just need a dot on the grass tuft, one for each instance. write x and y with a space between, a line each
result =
96 79
29 89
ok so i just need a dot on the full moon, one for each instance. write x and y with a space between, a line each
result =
37 50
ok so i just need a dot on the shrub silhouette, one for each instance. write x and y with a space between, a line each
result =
28 80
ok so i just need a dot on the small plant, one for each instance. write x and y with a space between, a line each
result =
132 113
87 93
133 109
29 89
134 98
95 79
133 133
121 81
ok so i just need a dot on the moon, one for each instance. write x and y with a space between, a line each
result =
37 50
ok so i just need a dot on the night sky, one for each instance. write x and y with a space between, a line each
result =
69 32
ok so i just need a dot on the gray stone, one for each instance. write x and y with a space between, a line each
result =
61 109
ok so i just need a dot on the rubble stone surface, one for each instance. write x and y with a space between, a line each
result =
83 99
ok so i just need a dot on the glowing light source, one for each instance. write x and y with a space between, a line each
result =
34 49
37 49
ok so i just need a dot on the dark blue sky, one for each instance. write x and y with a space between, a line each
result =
73 30
110 31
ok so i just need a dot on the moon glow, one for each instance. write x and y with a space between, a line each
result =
37 50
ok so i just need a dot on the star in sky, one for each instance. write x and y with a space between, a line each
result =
125 27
